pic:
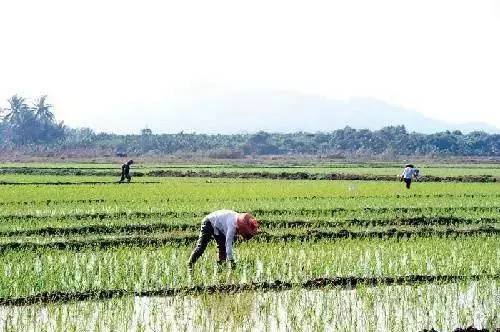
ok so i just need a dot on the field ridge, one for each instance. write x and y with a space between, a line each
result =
277 285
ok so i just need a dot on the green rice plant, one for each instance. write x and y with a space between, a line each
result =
145 268
60 242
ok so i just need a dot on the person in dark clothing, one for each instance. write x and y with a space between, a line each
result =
126 172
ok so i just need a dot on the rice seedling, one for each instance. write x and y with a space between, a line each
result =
333 255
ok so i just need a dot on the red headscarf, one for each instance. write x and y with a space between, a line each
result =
246 225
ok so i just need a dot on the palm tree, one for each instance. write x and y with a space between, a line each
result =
42 109
17 106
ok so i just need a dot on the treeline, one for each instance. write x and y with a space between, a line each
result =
34 126
24 124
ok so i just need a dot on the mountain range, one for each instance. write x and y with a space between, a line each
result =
287 112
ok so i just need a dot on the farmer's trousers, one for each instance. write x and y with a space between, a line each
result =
125 176
408 183
206 234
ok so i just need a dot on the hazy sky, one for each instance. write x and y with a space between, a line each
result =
96 58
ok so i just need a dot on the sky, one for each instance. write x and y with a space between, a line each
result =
102 61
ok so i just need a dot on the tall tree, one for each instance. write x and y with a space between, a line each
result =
43 110
27 125
17 108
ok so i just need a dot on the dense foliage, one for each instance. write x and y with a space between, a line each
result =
23 124
389 140
35 128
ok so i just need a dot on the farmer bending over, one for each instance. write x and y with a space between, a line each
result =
409 172
223 225
126 171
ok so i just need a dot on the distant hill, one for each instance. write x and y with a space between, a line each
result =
290 112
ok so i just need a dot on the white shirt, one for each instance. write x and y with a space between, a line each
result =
224 222
408 172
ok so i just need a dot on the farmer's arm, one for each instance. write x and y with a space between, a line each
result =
231 232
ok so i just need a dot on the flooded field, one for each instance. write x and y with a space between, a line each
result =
442 306
332 255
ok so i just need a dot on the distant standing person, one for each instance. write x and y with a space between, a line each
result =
409 172
126 171
223 226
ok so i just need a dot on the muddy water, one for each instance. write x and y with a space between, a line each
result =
382 308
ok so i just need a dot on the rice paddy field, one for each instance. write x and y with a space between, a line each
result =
79 252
